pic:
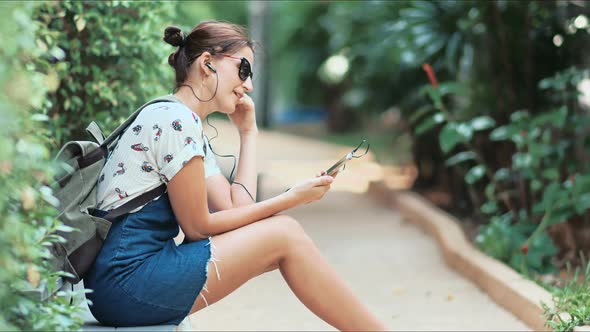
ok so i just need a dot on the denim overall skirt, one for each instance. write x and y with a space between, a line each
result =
141 277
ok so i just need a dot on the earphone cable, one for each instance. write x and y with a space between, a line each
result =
231 175
199 99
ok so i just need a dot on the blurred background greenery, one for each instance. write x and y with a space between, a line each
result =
487 100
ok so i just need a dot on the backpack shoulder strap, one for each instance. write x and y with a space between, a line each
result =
136 202
131 118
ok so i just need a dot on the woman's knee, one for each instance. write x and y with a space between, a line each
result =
280 233
291 231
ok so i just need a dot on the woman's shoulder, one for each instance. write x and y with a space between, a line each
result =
169 112
165 108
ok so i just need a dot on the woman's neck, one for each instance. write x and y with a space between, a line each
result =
186 96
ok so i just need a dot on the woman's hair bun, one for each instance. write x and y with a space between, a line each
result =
174 36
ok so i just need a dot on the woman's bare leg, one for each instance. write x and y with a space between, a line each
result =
280 242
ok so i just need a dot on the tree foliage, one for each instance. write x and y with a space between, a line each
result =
63 65
105 58
26 203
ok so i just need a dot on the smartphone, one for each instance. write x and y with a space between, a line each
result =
336 167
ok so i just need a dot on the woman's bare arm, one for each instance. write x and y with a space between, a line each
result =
188 197
223 196
246 174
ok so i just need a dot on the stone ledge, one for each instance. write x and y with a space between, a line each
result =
505 286
564 316
91 325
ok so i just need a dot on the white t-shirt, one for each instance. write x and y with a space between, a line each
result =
161 140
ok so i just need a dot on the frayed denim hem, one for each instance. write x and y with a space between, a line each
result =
186 325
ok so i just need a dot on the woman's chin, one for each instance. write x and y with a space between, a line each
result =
230 110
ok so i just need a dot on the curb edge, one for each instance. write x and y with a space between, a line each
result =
505 286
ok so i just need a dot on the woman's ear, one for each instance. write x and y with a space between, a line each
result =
204 62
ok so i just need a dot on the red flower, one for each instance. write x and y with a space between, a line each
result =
524 249
573 179
523 133
431 76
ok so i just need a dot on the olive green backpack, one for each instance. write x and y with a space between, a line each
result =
80 165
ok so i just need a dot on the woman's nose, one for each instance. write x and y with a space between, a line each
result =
248 86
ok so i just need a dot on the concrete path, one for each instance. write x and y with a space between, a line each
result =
394 267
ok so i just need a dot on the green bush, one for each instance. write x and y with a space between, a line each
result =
26 204
104 58
63 64
545 183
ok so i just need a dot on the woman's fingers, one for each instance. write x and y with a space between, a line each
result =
320 174
323 180
313 189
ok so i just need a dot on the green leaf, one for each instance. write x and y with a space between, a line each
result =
435 46
551 174
416 14
582 203
490 207
65 228
490 191
452 88
502 174
423 38
519 116
420 112
430 123
559 216
521 160
494 238
545 83
482 123
460 157
541 249
539 150
435 95
39 117
555 118
536 185
426 6
500 134
453 134
47 195
550 195
451 51
475 174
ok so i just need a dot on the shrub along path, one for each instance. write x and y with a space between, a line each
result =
395 268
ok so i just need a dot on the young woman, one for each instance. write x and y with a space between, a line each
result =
141 277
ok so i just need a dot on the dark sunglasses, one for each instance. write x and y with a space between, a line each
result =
245 69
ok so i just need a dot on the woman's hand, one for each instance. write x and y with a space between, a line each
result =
334 175
310 190
244 117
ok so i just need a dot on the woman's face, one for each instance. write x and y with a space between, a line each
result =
231 88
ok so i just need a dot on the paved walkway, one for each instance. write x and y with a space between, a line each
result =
395 267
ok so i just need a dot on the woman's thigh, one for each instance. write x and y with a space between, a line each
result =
245 253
